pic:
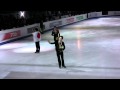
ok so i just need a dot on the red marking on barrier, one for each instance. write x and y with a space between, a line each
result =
70 20
11 35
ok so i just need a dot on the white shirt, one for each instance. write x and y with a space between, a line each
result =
35 38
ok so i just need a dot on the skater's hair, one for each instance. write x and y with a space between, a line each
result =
36 29
56 27
61 37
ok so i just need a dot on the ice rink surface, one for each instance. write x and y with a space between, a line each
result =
92 52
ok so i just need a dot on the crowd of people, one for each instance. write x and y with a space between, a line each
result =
9 21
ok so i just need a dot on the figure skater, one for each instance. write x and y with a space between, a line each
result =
59 50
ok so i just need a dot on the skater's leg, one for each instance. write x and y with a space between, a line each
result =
62 58
58 56
36 46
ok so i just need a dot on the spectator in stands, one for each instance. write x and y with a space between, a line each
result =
41 26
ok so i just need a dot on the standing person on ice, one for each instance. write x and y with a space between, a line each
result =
56 34
59 50
37 38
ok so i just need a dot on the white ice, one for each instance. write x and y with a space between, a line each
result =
92 51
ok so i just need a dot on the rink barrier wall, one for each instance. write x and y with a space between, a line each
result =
11 35
14 39
70 20
64 21
100 14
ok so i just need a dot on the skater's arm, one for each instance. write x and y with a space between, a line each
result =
58 34
51 42
52 33
64 45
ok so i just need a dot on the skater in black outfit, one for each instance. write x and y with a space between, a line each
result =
59 50
56 35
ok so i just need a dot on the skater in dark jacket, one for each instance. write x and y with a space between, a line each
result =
59 50
55 33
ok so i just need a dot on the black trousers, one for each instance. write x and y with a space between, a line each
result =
37 46
60 56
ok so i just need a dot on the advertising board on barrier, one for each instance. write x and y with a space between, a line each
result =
99 14
11 35
31 30
56 23
111 13
79 18
93 14
70 20
117 12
